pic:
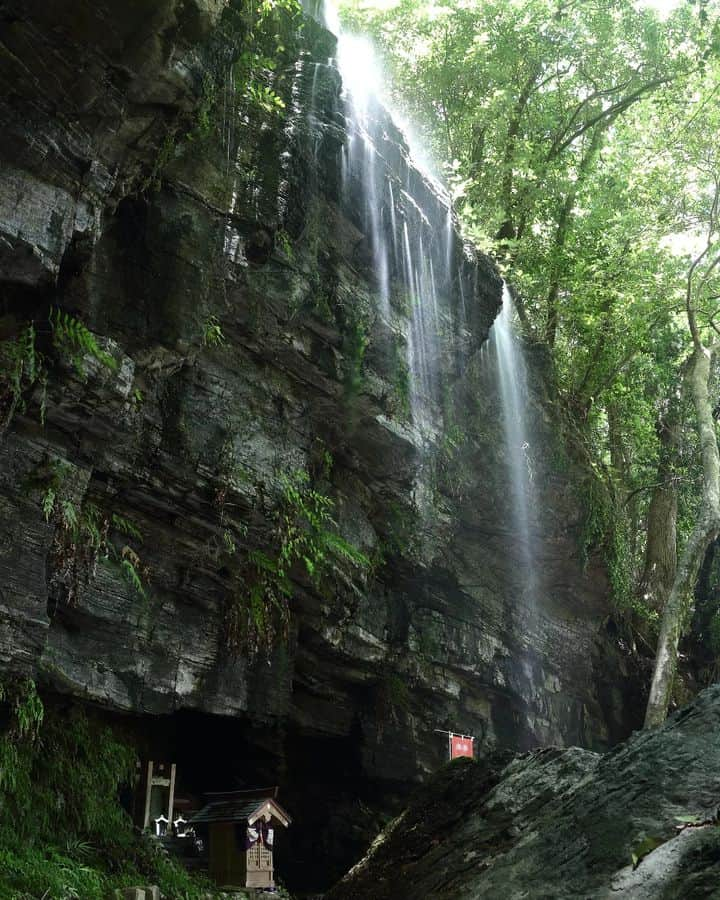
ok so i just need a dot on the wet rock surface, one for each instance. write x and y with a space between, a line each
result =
248 225
562 823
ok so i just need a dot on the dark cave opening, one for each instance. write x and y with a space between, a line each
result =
336 810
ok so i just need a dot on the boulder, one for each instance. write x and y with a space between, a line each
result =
639 822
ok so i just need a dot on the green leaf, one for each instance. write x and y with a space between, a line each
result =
644 848
126 526
48 503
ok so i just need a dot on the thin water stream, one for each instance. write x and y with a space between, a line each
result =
511 374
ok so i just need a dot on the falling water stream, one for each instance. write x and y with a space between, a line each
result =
412 248
512 383
511 374
408 246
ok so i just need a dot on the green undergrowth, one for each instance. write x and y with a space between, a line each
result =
29 358
85 534
305 537
606 529
63 832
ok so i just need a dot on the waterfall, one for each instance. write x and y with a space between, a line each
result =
425 279
363 159
410 240
430 299
512 384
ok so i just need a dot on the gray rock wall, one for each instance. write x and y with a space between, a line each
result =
243 224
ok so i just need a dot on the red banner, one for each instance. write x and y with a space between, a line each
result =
461 746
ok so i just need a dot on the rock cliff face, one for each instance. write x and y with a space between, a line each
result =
220 257
639 822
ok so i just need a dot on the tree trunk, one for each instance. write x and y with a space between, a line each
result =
561 233
507 228
706 530
661 545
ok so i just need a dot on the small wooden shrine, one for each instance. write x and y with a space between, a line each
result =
241 833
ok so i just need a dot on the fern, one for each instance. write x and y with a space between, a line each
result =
310 531
264 98
75 340
212 333
82 537
93 525
29 353
69 514
28 710
263 561
307 535
125 526
345 550
229 542
21 367
132 576
48 503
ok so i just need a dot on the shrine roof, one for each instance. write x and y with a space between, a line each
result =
240 806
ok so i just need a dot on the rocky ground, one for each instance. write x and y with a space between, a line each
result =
640 822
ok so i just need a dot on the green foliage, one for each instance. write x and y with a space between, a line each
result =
689 819
208 99
401 530
394 694
22 366
64 834
54 479
264 98
451 474
452 440
308 532
73 340
401 383
604 528
241 69
212 335
355 331
132 571
125 526
645 848
305 535
152 180
250 43
85 534
26 716
229 541
282 240
31 872
266 26
579 141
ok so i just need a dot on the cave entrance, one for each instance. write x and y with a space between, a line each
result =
336 807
